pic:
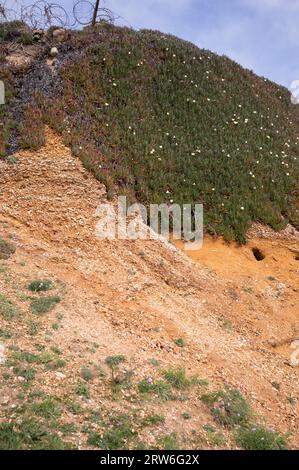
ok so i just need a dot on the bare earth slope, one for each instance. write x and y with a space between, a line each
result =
135 298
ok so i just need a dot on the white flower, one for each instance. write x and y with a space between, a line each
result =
106 104
242 208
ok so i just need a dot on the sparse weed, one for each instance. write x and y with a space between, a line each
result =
44 304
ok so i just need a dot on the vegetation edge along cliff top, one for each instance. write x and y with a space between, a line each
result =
157 119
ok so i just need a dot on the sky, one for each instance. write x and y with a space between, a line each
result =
262 35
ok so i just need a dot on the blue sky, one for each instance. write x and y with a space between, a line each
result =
262 35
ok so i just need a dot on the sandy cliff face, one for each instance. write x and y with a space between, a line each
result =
237 316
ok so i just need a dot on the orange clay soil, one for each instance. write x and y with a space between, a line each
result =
237 316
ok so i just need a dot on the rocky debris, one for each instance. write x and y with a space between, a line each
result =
54 52
59 34
259 230
2 353
38 34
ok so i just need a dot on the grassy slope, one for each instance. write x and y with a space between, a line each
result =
165 121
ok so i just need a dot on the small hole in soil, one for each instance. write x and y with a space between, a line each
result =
297 256
259 256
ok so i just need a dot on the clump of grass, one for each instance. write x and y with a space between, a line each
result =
33 327
118 435
82 390
153 420
4 334
261 438
160 388
8 310
169 442
40 285
228 406
180 342
44 304
177 378
28 373
213 437
29 434
16 31
49 408
113 362
86 374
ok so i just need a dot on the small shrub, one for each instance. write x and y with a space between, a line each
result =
32 328
213 437
180 342
153 420
16 31
40 285
160 388
260 438
28 373
8 310
82 390
113 362
228 407
177 378
5 334
86 374
44 304
48 408
29 434
169 442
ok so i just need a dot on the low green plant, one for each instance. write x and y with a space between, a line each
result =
4 334
8 310
44 305
228 406
160 388
213 437
113 362
82 390
261 438
177 378
180 342
49 408
28 373
40 285
29 434
86 374
169 442
152 420
117 436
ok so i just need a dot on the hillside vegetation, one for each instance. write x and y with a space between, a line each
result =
160 120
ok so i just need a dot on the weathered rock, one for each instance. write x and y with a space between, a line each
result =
53 52
59 34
